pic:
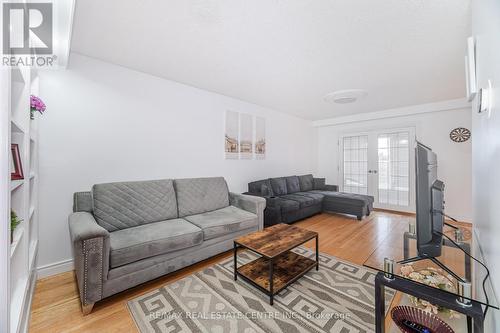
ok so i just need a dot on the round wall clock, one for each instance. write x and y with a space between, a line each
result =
460 134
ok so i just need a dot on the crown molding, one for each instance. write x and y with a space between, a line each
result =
452 104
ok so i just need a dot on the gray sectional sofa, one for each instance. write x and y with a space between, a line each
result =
289 199
124 234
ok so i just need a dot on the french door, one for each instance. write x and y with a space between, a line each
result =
381 164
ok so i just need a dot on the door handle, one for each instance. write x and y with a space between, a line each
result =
372 171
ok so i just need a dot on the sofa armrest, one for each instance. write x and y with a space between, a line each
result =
333 188
273 202
91 249
251 203
83 226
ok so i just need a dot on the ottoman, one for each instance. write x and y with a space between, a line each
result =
348 203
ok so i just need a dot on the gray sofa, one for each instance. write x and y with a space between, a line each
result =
293 198
124 234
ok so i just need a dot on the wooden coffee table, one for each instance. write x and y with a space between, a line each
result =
278 266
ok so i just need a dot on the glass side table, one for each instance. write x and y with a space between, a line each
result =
462 291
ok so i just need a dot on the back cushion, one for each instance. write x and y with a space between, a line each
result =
278 186
292 184
82 202
306 182
200 195
129 204
319 183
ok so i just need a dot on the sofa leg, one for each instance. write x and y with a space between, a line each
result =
359 217
87 308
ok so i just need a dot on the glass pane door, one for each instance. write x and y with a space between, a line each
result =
355 164
380 164
394 169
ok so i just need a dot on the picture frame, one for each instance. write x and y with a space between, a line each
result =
260 138
231 136
244 137
16 164
470 69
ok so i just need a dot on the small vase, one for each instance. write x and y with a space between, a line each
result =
32 115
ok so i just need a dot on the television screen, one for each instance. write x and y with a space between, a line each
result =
429 202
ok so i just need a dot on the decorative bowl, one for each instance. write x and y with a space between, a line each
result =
432 277
419 316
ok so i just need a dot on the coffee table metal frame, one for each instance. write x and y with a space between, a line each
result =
271 292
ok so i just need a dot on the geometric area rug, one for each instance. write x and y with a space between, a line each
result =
337 298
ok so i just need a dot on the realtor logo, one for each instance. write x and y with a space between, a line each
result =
27 28
27 34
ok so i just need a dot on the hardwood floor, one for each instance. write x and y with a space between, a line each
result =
56 304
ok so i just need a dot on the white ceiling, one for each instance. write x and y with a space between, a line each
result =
287 54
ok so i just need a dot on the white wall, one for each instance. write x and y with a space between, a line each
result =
107 123
432 129
486 144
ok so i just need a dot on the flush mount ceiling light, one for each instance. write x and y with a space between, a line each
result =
345 96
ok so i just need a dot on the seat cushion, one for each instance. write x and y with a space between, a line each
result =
306 182
278 186
285 206
149 240
223 221
347 198
129 204
302 200
200 195
317 197
292 184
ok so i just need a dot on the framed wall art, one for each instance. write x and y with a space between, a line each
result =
16 165
232 143
260 138
244 136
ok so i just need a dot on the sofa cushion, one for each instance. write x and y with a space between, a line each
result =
129 204
317 197
200 195
149 240
278 186
292 184
306 182
82 202
285 206
302 200
261 187
266 190
223 221
319 183
347 198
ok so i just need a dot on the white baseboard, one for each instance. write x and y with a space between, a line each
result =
55 268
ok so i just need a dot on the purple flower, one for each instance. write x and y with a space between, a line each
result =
37 104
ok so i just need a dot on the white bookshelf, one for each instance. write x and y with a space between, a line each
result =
22 198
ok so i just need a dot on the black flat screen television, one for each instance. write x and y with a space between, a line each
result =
429 203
